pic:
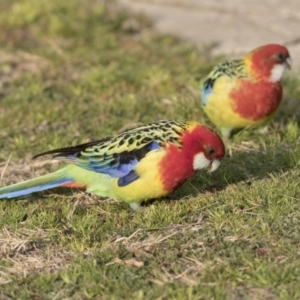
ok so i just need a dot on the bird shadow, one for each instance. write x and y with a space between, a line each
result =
290 103
245 161
242 166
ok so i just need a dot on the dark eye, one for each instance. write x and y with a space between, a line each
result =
280 56
210 151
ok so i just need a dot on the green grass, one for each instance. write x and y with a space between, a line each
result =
75 71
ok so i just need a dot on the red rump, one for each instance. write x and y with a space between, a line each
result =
74 185
256 100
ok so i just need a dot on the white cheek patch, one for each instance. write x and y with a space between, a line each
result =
277 72
200 162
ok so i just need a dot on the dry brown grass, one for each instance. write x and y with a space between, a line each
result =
23 255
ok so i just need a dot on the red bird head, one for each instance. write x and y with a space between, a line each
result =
204 145
269 62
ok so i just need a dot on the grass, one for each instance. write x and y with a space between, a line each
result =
75 71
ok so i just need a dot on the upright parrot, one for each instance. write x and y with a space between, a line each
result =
136 165
245 92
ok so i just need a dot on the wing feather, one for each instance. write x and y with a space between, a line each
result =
117 156
230 69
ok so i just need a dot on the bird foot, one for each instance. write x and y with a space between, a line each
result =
226 133
136 206
263 130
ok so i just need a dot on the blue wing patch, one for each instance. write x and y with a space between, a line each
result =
117 166
127 179
154 146
205 92
131 176
118 170
207 89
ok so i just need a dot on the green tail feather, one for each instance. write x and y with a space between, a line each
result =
95 183
41 183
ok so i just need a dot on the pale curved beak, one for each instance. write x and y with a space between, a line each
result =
214 166
289 62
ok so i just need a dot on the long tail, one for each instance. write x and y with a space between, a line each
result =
69 176
38 184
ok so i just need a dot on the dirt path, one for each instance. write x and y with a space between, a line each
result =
229 27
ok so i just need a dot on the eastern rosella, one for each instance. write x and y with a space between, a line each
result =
246 92
143 163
